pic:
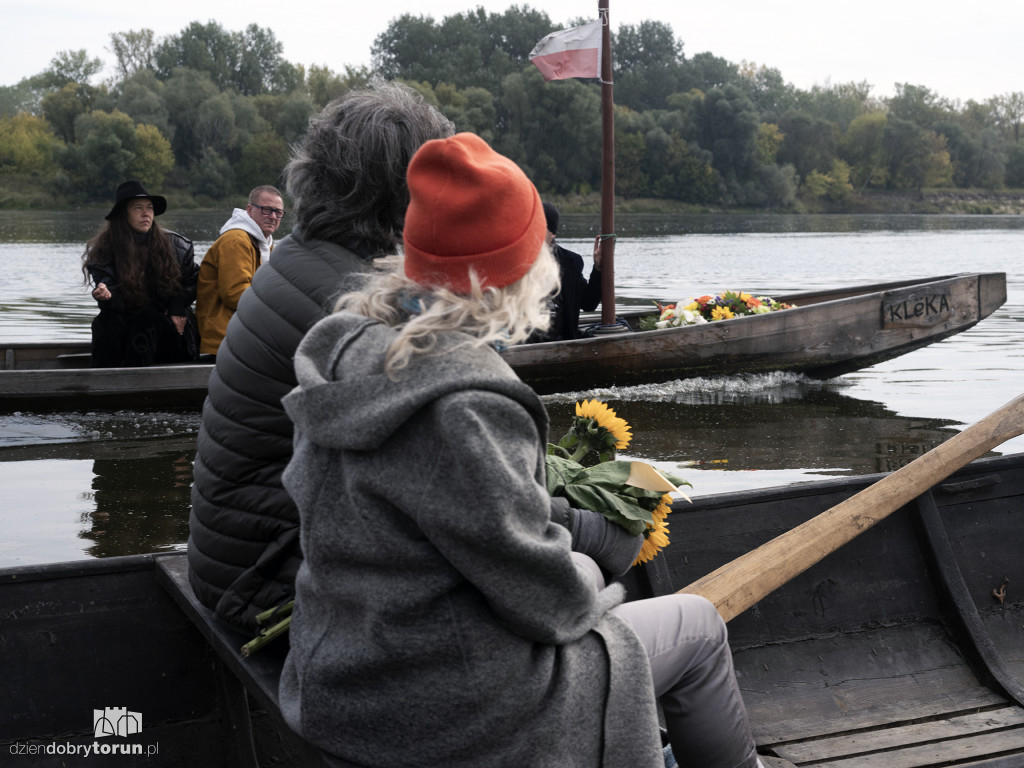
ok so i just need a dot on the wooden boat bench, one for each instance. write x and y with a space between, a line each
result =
246 680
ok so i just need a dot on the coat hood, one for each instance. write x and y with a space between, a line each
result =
240 219
345 400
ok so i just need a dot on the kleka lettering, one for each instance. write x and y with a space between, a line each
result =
916 311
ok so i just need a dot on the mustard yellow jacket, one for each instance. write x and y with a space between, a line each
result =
225 273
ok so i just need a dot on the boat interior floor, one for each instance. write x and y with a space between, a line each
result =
903 649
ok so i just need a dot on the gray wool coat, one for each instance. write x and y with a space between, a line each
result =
440 620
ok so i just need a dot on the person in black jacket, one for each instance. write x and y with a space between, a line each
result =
576 292
347 184
145 283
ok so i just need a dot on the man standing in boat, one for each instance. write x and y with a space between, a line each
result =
245 242
576 292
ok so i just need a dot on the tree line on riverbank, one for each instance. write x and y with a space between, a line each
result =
208 113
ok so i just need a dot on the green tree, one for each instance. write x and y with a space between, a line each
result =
863 148
918 105
466 49
141 96
978 158
104 153
630 152
213 175
260 65
184 92
1015 167
769 142
69 67
1010 111
840 103
647 65
810 143
133 51
769 93
292 117
27 145
215 124
207 48
727 125
916 157
552 130
706 71
153 156
63 107
472 109
262 161
23 97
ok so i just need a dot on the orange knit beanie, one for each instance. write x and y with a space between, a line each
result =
469 208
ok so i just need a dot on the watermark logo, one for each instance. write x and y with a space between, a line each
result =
109 721
115 721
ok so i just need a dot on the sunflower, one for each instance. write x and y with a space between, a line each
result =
656 534
606 419
721 313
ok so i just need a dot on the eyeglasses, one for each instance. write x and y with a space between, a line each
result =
266 210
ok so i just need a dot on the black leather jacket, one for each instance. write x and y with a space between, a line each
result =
174 304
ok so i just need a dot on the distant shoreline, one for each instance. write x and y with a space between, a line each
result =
932 201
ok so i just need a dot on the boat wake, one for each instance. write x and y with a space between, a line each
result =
771 387
20 429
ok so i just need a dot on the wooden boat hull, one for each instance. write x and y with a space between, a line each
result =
828 333
892 651
896 650
93 634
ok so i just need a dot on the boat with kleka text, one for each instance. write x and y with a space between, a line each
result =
821 334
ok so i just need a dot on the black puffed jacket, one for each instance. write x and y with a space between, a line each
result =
243 548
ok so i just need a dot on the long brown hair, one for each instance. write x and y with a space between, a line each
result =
142 270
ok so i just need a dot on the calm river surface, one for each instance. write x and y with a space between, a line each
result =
101 483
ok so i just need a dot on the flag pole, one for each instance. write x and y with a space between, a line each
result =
607 234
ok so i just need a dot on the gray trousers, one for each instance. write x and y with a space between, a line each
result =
691 664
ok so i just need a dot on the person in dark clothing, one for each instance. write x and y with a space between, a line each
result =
145 283
576 292
346 180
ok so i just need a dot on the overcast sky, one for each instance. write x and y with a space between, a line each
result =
960 51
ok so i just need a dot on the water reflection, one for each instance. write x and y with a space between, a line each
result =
803 425
141 503
94 484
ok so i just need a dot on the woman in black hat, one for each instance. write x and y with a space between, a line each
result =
145 283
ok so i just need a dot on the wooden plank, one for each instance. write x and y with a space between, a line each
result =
942 753
902 736
853 681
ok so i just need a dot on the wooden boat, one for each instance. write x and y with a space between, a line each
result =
827 334
905 648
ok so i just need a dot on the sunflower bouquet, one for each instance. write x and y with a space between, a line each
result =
582 468
708 308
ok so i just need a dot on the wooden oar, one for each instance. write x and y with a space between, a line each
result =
739 584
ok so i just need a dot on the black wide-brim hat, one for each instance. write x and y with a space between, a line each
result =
131 190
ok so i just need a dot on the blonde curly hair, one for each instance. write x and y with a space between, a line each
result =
495 316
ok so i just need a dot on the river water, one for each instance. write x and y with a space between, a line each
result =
85 483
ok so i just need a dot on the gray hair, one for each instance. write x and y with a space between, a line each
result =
499 316
255 192
347 176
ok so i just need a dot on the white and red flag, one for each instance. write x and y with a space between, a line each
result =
574 52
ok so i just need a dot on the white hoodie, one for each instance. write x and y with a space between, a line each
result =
240 219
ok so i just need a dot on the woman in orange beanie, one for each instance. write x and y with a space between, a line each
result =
442 615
